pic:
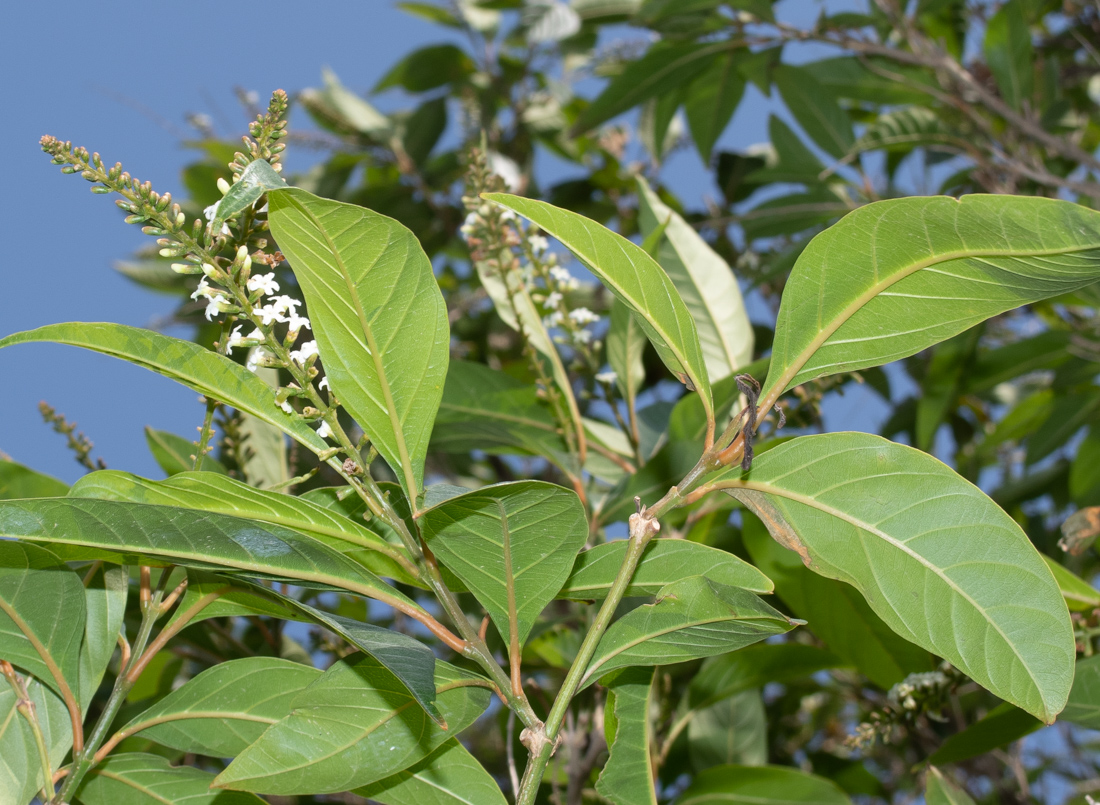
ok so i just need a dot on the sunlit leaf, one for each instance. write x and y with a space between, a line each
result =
17 481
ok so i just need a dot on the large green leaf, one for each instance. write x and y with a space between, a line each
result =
513 545
632 276
935 558
712 100
225 708
815 109
733 730
627 776
1009 53
690 619
449 776
706 284
664 562
836 612
209 492
379 319
20 764
132 778
17 481
105 594
1083 707
760 785
895 277
665 66
354 726
206 372
42 614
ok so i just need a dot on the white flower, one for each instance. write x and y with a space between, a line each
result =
507 170
554 319
472 222
560 274
324 383
553 300
236 340
268 314
203 289
211 213
258 357
507 215
325 432
263 282
284 304
286 406
582 316
217 304
582 336
606 377
539 244
307 351
296 322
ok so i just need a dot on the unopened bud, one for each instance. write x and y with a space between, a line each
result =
185 268
223 186
211 271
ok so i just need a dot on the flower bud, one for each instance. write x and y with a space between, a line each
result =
185 268
223 186
211 271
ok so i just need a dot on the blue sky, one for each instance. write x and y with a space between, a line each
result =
120 81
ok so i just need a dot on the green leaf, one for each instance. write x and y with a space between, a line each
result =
753 667
1047 350
233 598
625 348
712 100
906 273
206 372
733 730
760 785
20 765
1068 414
632 276
132 778
940 791
1009 54
1083 707
449 776
427 68
999 727
901 130
705 283
42 614
690 619
942 382
666 66
338 107
627 776
815 108
105 605
513 545
354 726
262 449
174 454
225 708
935 558
256 179
17 481
836 612
1079 594
664 561
204 491
185 537
378 316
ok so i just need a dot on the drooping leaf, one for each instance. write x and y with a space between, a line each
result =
133 778
223 597
1083 707
815 108
753 667
20 764
42 613
448 776
625 348
105 605
627 776
665 66
174 454
835 612
206 372
999 727
225 708
1009 54
895 277
706 284
941 791
17 481
262 450
733 730
935 558
690 619
354 726
208 492
633 277
378 316
760 785
712 100
665 561
513 545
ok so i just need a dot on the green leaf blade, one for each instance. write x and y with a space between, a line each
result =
133 778
449 776
760 785
627 777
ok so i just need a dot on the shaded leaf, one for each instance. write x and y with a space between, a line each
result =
940 791
427 68
815 109
753 667
105 596
378 316
625 348
132 778
935 558
1083 707
1079 594
256 179
733 730
20 766
712 100
1001 726
627 776
17 481
174 454
760 785
448 776
1009 54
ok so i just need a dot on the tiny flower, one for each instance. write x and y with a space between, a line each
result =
296 322
263 282
606 377
236 340
472 222
507 215
211 213
285 405
560 275
325 432
539 244
553 300
283 304
582 336
554 319
307 351
583 315
217 304
268 314
324 383
203 289
259 356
